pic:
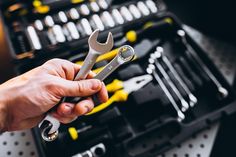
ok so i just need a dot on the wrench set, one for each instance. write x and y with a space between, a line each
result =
162 86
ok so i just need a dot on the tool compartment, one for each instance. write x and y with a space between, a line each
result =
147 123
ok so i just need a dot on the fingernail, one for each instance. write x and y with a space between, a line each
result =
67 110
96 84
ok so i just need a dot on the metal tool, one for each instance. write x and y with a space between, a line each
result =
95 49
49 21
121 90
126 13
49 125
103 4
143 8
134 11
73 13
58 33
184 104
125 54
192 98
84 10
222 90
117 16
98 22
107 19
51 37
62 16
152 6
38 25
86 26
151 70
72 30
33 38
67 33
95 151
94 6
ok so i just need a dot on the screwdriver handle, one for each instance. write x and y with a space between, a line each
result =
118 96
114 86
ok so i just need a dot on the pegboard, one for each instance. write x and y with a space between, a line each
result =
221 53
17 144
199 145
21 143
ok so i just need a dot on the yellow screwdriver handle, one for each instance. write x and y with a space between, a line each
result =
107 56
118 96
114 86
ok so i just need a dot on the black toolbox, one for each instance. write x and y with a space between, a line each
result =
148 122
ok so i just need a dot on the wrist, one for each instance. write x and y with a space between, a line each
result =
3 116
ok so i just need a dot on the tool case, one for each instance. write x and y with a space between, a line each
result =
154 118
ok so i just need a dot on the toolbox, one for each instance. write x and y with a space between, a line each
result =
186 94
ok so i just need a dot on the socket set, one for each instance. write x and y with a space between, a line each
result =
168 92
36 35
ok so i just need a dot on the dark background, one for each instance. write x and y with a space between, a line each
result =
212 17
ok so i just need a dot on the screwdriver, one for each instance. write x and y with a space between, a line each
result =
148 29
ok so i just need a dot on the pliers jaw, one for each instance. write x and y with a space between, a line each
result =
136 83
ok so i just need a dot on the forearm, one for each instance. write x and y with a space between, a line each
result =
3 113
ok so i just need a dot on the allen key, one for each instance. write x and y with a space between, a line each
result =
153 60
159 52
151 70
222 91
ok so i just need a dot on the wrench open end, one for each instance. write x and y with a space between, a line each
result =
100 47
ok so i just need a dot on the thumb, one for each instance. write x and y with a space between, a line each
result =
79 88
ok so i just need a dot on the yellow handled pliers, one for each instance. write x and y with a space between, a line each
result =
121 90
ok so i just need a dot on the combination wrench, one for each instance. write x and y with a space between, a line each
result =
153 60
125 54
192 98
151 70
49 125
190 51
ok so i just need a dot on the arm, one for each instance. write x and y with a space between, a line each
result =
25 99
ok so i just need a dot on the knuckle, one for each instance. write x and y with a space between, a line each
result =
53 61
80 87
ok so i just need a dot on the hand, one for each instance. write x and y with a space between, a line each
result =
25 99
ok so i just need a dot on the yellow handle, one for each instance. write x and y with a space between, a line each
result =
96 71
114 86
107 56
118 96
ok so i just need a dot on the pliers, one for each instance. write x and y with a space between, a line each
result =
122 89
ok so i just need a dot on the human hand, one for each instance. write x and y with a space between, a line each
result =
25 99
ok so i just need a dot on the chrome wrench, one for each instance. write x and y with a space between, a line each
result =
151 70
222 90
191 97
153 60
125 54
49 125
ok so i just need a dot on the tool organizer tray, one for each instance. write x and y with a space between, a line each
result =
187 92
